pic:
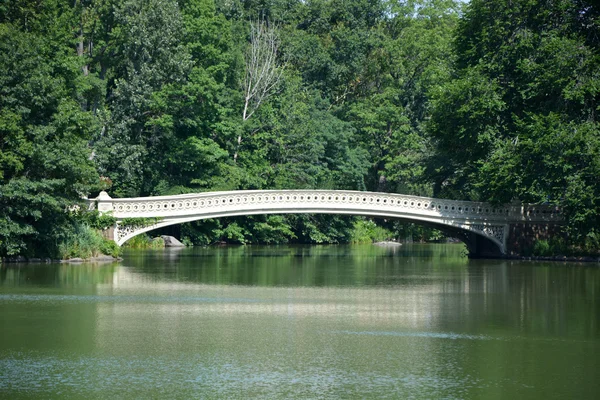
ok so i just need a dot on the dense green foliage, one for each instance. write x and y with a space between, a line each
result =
140 222
147 97
97 221
144 241
86 242
44 132
367 231
522 106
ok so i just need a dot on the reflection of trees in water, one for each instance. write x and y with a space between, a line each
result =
340 265
52 305
61 275
535 298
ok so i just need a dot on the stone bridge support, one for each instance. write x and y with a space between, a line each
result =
523 235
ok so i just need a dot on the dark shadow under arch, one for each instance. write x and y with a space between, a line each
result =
478 244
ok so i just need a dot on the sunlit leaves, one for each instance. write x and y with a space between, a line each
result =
518 121
44 133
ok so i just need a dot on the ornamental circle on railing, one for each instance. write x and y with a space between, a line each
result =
336 200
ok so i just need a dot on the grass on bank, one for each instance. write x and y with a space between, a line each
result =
144 241
558 246
86 242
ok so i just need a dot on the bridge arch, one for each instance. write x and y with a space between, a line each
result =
467 234
476 223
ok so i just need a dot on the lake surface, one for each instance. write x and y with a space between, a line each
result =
415 322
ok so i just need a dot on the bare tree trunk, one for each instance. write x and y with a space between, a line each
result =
239 142
263 72
80 46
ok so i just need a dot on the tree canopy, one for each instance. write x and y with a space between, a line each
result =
495 100
522 105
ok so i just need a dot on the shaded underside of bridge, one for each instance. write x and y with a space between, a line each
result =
488 231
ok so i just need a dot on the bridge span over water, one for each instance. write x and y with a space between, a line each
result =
486 229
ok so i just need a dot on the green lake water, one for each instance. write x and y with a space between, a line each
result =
414 322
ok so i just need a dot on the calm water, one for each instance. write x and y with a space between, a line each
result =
419 322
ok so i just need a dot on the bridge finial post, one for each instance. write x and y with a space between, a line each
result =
105 204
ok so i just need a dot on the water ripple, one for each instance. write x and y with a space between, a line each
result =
429 335
27 298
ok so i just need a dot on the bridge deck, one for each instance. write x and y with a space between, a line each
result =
481 218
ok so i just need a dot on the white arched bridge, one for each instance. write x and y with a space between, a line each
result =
486 229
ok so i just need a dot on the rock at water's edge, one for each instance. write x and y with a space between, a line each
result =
170 241
387 244
102 258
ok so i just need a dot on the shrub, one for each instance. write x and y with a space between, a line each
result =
366 231
110 248
157 243
592 243
86 242
541 248
83 242
144 241
96 220
234 233
274 230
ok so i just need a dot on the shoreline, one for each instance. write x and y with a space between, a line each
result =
23 260
108 259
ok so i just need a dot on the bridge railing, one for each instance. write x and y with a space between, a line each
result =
320 201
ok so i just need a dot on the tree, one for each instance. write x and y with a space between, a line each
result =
150 60
262 69
522 108
262 72
44 134
411 59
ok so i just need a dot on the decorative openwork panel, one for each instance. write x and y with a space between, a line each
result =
291 199
122 233
498 232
